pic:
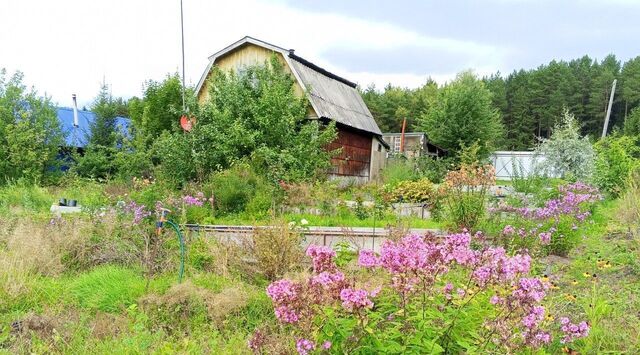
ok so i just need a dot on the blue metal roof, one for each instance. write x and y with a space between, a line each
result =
79 136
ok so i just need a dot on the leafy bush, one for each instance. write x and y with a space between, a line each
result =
567 154
419 191
238 188
465 194
616 157
107 288
30 133
257 116
435 169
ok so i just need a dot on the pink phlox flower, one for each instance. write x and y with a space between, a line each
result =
355 299
286 314
545 238
573 331
508 230
283 291
529 291
304 346
322 258
191 200
368 258
328 279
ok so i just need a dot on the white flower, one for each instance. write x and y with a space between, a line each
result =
292 224
304 222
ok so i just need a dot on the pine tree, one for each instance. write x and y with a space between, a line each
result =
605 73
630 83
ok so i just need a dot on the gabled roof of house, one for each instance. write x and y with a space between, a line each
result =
330 95
78 137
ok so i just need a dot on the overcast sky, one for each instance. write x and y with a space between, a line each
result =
68 46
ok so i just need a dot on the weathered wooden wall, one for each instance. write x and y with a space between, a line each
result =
355 157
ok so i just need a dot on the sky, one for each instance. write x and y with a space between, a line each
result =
72 46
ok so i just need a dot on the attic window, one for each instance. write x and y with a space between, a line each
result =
243 71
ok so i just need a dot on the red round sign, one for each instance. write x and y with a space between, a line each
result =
187 123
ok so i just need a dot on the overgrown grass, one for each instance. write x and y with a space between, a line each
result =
609 301
107 288
99 311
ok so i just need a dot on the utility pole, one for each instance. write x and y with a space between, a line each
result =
184 105
606 118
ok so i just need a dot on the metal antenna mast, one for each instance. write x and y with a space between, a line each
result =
184 105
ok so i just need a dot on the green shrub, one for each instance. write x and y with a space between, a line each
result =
30 133
435 169
397 170
197 214
616 157
234 190
148 195
420 191
107 288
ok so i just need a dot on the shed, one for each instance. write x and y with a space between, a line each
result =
416 144
330 96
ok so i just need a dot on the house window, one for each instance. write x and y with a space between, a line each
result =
396 144
379 147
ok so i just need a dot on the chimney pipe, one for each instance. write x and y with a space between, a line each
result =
75 111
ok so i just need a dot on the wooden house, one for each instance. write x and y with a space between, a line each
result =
331 97
416 144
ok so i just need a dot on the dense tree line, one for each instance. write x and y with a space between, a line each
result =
530 102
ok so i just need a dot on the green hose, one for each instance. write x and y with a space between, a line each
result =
182 252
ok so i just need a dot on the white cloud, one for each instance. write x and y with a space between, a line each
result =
66 47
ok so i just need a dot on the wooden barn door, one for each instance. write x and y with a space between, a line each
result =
355 158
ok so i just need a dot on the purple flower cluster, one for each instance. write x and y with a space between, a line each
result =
328 279
257 341
368 258
304 346
189 200
573 197
139 211
573 331
572 202
285 294
353 299
494 267
322 258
